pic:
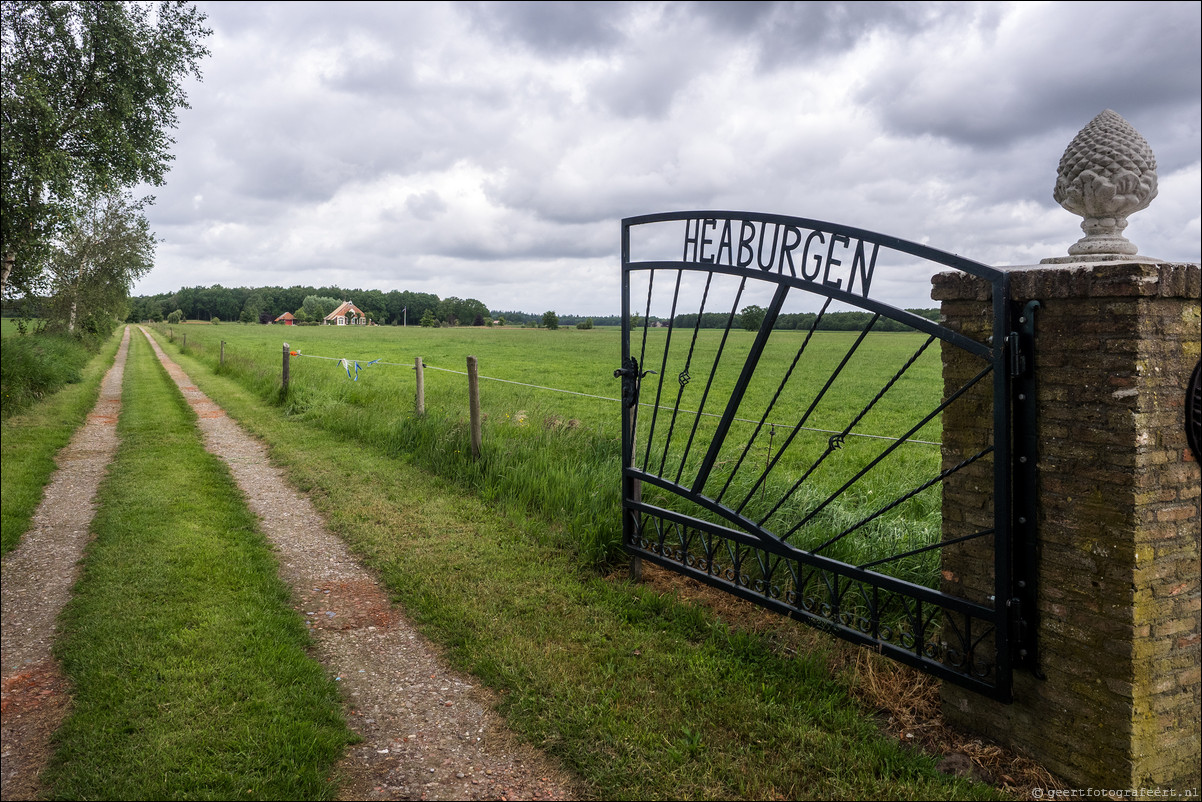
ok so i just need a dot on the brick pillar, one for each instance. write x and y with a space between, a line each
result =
1119 571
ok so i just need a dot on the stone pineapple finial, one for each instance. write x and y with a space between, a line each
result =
1107 172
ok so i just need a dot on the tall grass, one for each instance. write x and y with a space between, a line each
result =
33 366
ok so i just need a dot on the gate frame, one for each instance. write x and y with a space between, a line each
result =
1010 356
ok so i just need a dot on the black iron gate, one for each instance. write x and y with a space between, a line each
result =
783 436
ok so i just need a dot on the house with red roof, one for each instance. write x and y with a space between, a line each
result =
347 314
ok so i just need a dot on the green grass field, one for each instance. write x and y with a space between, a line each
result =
558 453
189 671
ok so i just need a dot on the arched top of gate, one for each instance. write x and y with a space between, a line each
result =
841 262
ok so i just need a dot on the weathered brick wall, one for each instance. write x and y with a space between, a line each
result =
1119 520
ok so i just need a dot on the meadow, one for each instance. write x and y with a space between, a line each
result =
552 420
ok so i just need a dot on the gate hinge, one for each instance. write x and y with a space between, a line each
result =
1021 340
1023 639
1018 359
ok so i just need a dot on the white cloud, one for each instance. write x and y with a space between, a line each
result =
490 150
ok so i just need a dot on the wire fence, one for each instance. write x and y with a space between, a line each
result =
358 364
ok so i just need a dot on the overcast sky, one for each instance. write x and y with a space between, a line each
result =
490 150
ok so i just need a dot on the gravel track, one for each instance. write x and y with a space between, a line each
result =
428 732
37 577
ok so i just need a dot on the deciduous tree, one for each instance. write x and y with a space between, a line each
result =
90 92
752 317
103 249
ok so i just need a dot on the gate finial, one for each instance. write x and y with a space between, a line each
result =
1107 172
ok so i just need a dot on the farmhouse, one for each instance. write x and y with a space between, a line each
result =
288 319
346 314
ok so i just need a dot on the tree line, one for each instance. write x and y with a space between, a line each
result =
308 305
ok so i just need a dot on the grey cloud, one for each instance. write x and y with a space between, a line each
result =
784 33
289 175
571 117
1069 68
520 239
555 28
646 82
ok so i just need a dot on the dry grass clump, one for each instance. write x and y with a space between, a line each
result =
908 701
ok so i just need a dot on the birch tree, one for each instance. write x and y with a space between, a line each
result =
102 250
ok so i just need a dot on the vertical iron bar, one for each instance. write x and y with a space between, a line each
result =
1004 610
736 397
1026 486
710 381
629 414
771 404
663 368
636 496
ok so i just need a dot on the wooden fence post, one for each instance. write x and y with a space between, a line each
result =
284 372
473 397
421 386
222 352
185 343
